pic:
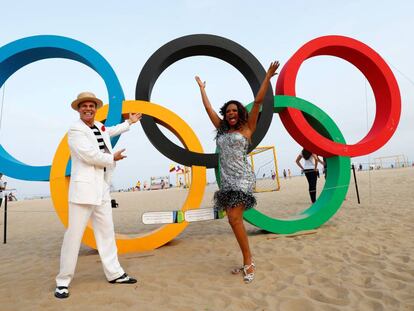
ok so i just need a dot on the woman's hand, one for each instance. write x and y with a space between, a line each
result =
258 100
201 84
215 119
272 69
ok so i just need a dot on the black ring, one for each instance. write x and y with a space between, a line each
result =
205 45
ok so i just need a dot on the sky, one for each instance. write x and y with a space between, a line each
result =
36 107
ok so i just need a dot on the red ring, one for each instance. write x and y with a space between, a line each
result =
379 76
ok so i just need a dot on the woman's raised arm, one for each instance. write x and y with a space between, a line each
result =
215 119
254 113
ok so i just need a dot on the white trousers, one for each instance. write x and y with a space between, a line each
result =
103 227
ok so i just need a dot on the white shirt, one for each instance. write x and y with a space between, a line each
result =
309 163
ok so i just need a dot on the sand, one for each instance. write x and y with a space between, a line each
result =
361 259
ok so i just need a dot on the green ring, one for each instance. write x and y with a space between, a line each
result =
336 184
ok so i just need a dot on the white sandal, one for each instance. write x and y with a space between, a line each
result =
249 277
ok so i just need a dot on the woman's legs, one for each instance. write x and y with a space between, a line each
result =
235 217
312 178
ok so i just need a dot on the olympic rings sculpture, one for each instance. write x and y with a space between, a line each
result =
305 122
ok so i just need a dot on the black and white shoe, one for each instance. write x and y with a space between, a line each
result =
61 292
124 279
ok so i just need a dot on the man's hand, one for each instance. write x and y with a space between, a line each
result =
134 117
118 155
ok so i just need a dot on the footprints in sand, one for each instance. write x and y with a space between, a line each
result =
359 277
331 295
297 304
289 261
370 305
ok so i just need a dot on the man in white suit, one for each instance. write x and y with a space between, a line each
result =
93 161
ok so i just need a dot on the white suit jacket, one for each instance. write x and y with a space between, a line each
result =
88 162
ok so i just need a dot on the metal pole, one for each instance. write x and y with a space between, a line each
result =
276 168
5 220
252 161
356 184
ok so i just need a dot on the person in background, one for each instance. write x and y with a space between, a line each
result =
2 188
325 167
309 168
12 197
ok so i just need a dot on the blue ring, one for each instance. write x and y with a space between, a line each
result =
22 52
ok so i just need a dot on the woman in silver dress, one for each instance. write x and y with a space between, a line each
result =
234 134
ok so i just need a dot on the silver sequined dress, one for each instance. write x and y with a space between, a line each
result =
236 176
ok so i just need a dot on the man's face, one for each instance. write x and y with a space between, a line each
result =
87 111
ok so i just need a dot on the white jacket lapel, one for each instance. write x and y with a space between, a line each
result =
88 131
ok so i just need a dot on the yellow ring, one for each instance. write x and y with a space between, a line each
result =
59 184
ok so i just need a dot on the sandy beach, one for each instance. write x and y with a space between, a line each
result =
361 259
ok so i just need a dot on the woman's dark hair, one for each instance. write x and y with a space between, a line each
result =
242 113
306 154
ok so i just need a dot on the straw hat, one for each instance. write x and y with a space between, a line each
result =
86 97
